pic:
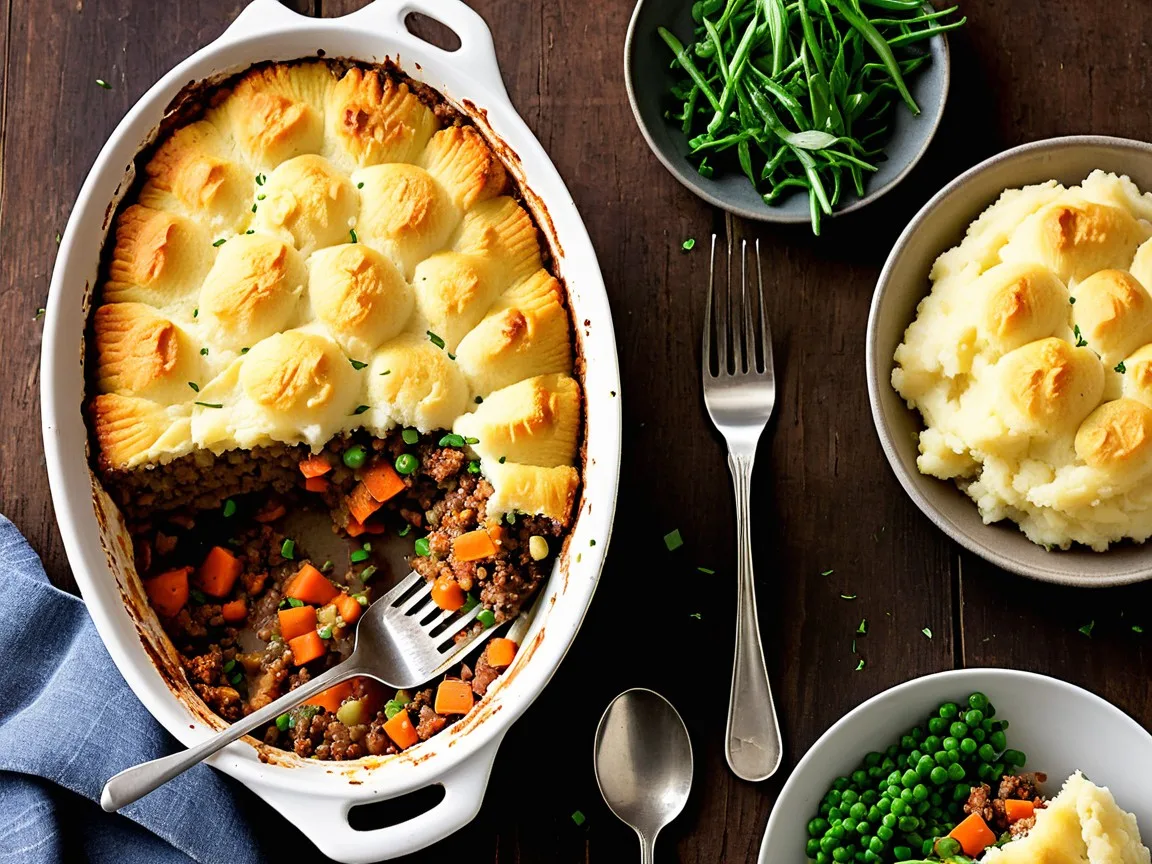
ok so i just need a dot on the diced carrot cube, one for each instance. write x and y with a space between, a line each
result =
355 528
447 594
296 621
307 648
401 731
315 466
310 586
382 482
332 698
1017 810
270 512
219 572
348 607
473 546
974 835
501 653
316 484
453 697
235 611
168 592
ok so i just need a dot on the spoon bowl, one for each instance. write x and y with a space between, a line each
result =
648 76
643 761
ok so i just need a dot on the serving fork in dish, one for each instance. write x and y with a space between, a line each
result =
740 393
402 640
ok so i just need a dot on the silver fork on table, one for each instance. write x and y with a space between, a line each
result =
402 639
740 392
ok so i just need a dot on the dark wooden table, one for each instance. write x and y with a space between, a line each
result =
824 498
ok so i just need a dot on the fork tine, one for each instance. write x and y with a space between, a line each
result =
732 328
749 314
722 329
745 323
401 588
707 361
765 331
417 599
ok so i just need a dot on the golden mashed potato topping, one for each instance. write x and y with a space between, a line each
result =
1081 825
1031 363
319 253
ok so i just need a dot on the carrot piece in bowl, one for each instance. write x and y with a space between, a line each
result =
315 466
235 611
219 572
382 482
296 621
332 698
401 731
310 586
473 546
168 591
307 648
453 697
501 653
974 835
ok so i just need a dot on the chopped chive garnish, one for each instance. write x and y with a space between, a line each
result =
473 467
578 817
209 404
360 409
260 178
195 387
689 244
325 632
1072 300
367 573
927 631
470 603
261 196
295 602
479 400
250 231
386 372
243 350
860 664
502 459
706 570
827 572
410 436
673 540
697 615
39 314
1136 628
196 312
452 440
357 364
220 242
403 532
203 352
236 679
847 596
485 617
358 556
1080 342
422 547
253 206
57 238
1088 628
471 441
352 234
102 83
434 339
1119 367
229 666
288 549
451 356
360 185
326 566
229 508
862 628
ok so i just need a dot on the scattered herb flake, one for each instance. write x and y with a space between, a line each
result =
102 83
927 631
203 352
502 459
696 615
1080 341
261 196
1119 367
860 665
1072 300
862 629
357 364
360 409
39 314
707 571
847 596
360 185
254 205
57 238
1136 628
673 540
386 372
479 400
827 572
473 467
209 404
229 508
434 339
196 312
260 178
220 242
689 244
578 817
195 387
352 234
403 532
1088 628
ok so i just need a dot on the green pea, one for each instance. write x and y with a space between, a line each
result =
938 726
876 845
948 846
859 777
863 827
837 831
998 740
858 810
941 758
406 463
355 456
842 854
828 843
949 710
833 797
950 743
986 753
978 734
812 847
920 791
968 746
888 820
908 823
924 766
849 797
961 792
938 775
899 807
823 858
990 711
956 772
869 797
907 742
849 824
974 717
906 795
958 729
931 743
910 778
818 827
901 853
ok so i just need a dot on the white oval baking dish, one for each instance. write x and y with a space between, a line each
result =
316 796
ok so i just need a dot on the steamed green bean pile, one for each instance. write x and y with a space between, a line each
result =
800 93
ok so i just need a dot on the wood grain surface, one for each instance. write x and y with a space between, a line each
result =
824 498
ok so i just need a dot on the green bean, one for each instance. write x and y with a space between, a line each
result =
873 38
688 66
778 26
904 22
714 36
927 33
735 68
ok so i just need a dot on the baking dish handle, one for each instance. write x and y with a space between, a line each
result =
477 52
325 820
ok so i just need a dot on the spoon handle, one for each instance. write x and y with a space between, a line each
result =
647 848
134 783
753 744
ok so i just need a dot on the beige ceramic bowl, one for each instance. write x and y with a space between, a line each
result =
939 225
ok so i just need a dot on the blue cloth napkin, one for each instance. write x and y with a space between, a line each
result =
68 722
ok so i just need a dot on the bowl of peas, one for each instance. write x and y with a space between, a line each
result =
889 781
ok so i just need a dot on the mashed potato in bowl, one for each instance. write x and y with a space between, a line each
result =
1031 363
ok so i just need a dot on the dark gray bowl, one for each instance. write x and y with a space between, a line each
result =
648 77
904 282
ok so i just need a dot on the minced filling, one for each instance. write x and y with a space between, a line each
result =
254 613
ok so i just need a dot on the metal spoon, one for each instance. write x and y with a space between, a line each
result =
643 759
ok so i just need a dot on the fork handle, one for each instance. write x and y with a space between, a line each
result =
753 745
134 783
